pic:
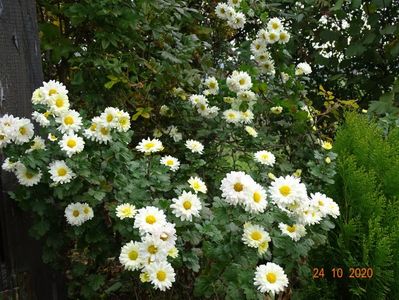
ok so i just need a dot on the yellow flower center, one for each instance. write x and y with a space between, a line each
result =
271 277
285 190
61 172
242 81
71 143
52 92
123 121
272 36
291 228
187 204
257 197
22 130
46 114
104 131
110 117
133 255
59 102
170 162
164 237
212 85
152 249
86 210
238 187
2 136
256 235
275 26
76 213
321 203
93 127
283 36
28 175
150 219
68 120
196 185
126 211
149 145
161 275
264 156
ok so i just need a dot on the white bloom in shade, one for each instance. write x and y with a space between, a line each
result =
109 117
270 278
53 87
246 116
37 144
234 187
161 275
264 58
71 144
166 235
70 121
5 139
51 137
148 218
24 131
284 37
198 100
208 112
272 36
234 3
274 24
186 206
164 110
39 96
310 215
255 199
232 116
303 69
197 185
58 103
333 209
194 146
150 146
212 84
276 110
237 20
251 131
284 77
130 256
321 202
254 235
87 212
60 172
123 123
265 157
295 231
239 81
267 67
91 132
221 10
286 190
246 95
126 210
152 249
173 252
41 119
27 177
103 133
74 214
262 34
171 162
258 46
9 165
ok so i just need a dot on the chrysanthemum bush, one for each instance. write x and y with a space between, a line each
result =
222 198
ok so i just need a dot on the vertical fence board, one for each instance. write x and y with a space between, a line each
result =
22 272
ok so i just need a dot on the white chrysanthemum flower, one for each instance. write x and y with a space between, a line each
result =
265 157
150 146
237 20
91 132
198 100
274 24
232 116
263 58
239 81
208 112
255 199
130 256
272 36
326 145
58 103
39 96
24 131
284 37
110 117
258 46
70 121
123 123
246 96
126 210
173 252
270 278
262 34
148 218
276 110
235 186
303 69
166 235
152 249
194 146
51 137
37 144
186 206
212 84
251 131
41 119
71 144
247 116
284 77
60 172
286 190
254 235
321 202
87 212
267 67
161 275
53 87
103 133
333 209
310 215
197 185
164 110
9 165
234 3
295 231
174 133
74 214
27 177
171 162
221 10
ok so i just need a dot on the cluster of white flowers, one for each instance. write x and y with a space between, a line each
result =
78 213
201 103
158 238
227 12
174 133
15 130
212 86
256 236
303 69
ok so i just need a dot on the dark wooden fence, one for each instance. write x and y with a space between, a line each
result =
22 273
